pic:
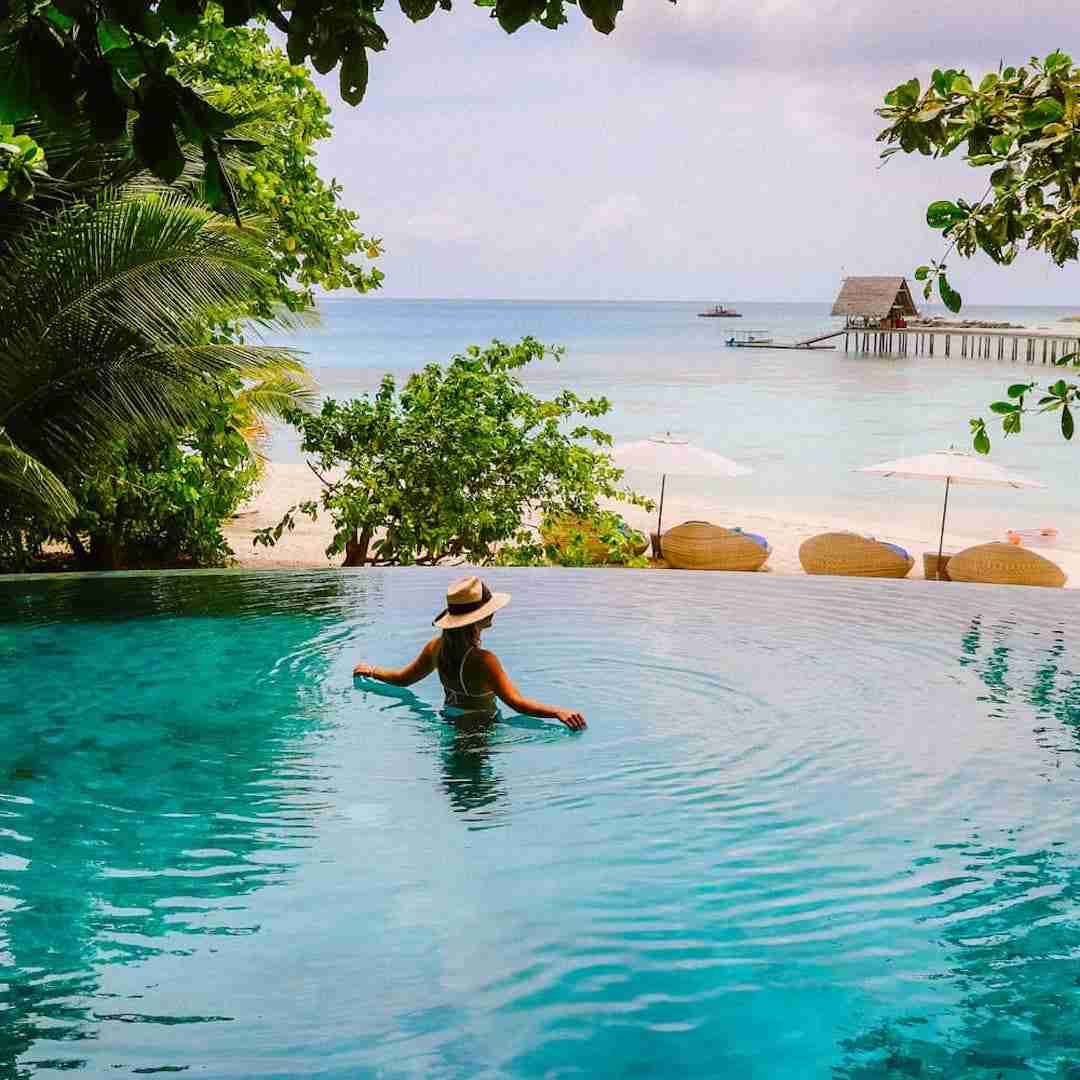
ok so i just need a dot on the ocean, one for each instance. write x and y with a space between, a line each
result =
803 421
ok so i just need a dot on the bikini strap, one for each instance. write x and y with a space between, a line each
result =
461 671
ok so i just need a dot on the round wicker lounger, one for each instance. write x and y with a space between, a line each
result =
1005 564
851 555
698 545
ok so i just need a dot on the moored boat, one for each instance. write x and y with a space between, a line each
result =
720 312
742 339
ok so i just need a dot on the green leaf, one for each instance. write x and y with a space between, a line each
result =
128 62
237 12
1047 110
949 297
1001 177
325 53
155 141
181 16
214 180
961 84
554 15
111 36
514 14
108 113
906 95
942 214
17 99
982 441
1011 424
417 9
1067 422
922 273
60 19
353 76
1056 60
1004 407
1018 389
602 14
988 83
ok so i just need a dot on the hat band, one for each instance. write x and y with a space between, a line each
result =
472 605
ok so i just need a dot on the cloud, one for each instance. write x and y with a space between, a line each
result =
615 214
438 226
793 35
699 151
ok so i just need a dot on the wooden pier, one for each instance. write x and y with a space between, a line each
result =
1030 346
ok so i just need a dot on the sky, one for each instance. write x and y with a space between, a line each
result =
704 150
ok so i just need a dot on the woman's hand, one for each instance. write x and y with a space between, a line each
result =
365 670
572 719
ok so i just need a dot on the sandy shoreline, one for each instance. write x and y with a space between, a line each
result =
286 484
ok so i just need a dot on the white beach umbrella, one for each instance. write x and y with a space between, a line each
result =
954 467
670 454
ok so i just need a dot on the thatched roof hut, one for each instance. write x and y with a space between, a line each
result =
875 299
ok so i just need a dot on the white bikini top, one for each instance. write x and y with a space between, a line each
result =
455 696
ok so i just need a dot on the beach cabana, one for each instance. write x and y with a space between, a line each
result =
876 303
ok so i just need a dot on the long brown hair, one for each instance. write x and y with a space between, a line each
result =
452 649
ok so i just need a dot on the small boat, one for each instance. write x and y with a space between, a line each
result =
719 312
743 339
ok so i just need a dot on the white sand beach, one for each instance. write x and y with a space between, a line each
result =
286 484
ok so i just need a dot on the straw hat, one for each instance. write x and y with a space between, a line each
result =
468 600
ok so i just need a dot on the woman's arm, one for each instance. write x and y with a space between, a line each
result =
420 668
508 693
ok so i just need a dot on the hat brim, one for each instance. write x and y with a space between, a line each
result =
455 622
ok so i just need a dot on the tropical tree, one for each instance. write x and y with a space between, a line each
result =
272 166
459 462
105 312
1021 126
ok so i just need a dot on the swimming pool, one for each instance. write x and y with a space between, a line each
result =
817 828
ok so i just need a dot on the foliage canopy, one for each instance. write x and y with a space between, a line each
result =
456 462
104 343
1021 125
95 60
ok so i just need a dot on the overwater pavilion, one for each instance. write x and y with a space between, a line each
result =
875 303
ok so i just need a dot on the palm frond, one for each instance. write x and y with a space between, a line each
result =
103 313
24 479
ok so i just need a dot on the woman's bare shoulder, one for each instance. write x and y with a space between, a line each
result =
486 659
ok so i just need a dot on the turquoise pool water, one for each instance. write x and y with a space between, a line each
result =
817 828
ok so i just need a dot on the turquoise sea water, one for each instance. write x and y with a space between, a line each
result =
817 828
803 421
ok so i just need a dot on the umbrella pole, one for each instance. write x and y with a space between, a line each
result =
660 515
941 539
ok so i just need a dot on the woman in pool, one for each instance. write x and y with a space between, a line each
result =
472 677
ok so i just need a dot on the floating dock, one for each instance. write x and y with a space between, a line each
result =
1031 346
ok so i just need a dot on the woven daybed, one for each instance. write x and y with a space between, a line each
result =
697 545
1005 564
851 555
560 534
